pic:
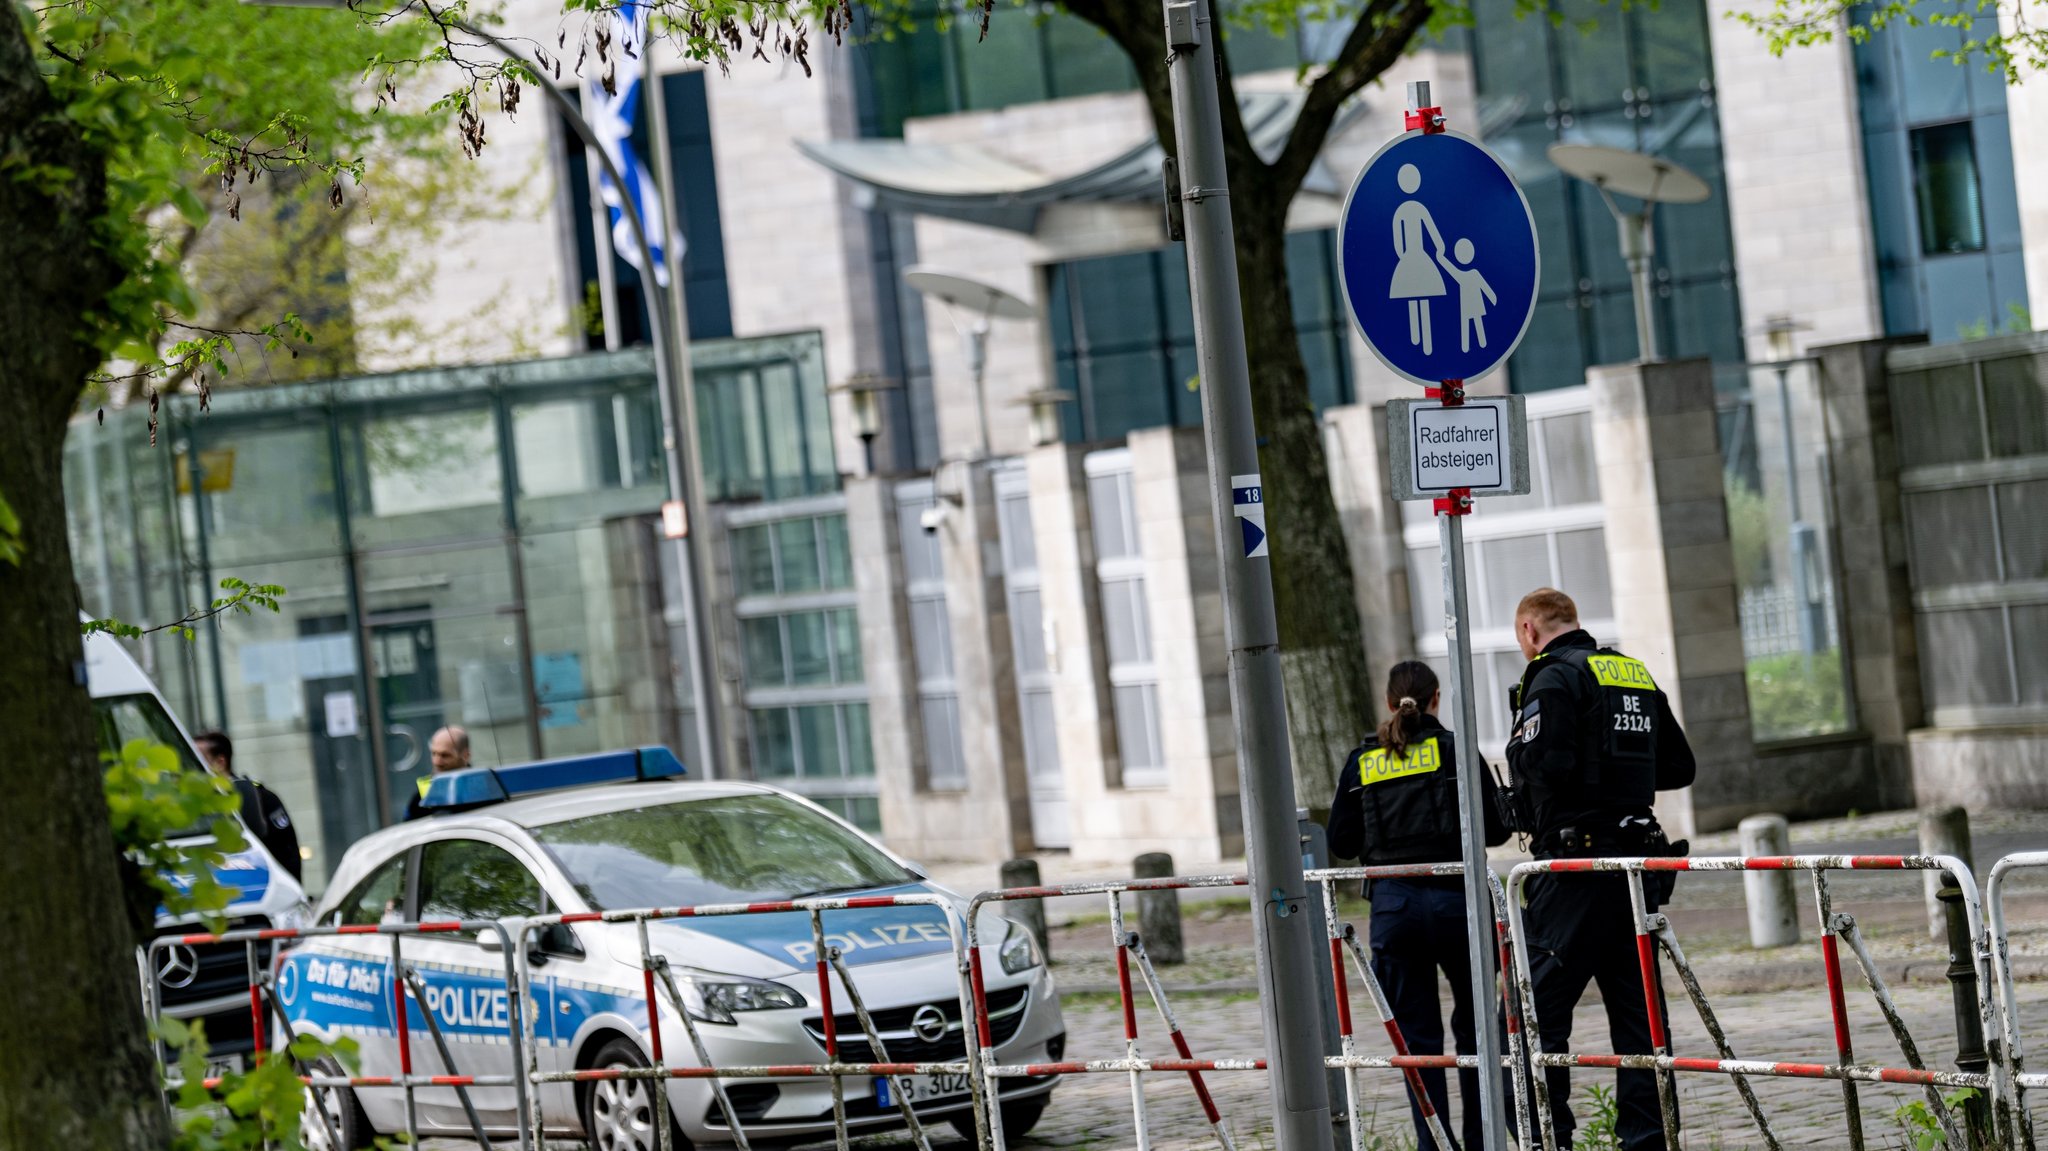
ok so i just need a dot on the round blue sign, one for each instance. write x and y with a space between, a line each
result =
1438 257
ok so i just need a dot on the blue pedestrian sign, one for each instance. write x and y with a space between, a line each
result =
1438 257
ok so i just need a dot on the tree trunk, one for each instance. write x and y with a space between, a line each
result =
75 1066
1329 690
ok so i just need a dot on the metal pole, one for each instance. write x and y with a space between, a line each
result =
1479 943
1287 952
1800 537
1637 246
685 469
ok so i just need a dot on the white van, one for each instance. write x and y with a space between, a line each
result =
204 982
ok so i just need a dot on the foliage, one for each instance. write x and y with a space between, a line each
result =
242 598
2006 49
1791 696
1921 1127
260 1107
1598 1132
174 827
10 534
2018 318
1752 524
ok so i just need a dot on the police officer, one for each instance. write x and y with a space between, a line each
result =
263 812
1594 741
1397 802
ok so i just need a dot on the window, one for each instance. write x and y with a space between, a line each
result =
470 879
931 638
1126 621
1945 188
1123 336
131 717
377 899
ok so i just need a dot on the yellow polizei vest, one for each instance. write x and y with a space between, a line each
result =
1379 766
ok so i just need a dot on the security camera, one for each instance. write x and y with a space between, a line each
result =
930 518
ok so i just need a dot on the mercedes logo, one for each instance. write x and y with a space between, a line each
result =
928 1024
178 967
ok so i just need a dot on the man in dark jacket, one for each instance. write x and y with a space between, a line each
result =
1397 802
1594 741
263 812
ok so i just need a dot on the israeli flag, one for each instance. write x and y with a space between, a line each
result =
612 118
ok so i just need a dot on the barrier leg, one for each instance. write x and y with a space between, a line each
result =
529 1008
2015 1122
988 1115
284 1028
1123 985
657 1086
1518 1060
878 1053
1845 927
675 999
1845 1053
1386 1012
412 1114
419 992
831 1031
1346 1044
1653 1005
1180 1042
1669 939
1525 990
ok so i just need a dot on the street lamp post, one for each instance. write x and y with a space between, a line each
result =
671 379
1651 179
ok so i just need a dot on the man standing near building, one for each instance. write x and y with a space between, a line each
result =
262 812
447 751
1594 741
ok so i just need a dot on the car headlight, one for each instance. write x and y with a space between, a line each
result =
297 917
712 997
1019 952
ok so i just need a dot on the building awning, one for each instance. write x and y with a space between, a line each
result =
967 182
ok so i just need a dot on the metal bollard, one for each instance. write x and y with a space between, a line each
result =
1029 912
1773 909
1971 1054
1159 911
1943 831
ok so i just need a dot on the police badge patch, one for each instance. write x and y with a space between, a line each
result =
1531 722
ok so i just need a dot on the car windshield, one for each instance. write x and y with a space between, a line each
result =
737 848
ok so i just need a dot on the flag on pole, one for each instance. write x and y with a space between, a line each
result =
612 116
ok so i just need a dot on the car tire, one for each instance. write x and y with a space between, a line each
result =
618 1114
347 1128
1018 1118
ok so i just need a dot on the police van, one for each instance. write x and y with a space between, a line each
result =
622 830
208 982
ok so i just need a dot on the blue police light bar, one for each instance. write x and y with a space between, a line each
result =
477 786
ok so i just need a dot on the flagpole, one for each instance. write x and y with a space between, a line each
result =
667 367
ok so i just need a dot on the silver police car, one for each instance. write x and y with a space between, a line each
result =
512 843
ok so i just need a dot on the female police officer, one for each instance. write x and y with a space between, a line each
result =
1397 802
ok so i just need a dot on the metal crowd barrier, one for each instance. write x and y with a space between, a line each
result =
2016 1120
262 993
1653 930
655 970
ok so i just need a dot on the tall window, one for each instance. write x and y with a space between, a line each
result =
1635 77
931 639
1123 336
806 702
762 421
1126 618
1945 188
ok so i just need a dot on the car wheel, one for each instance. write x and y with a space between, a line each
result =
346 1127
618 1114
1018 1118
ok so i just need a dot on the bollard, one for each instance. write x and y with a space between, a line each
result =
1943 831
1773 909
1315 853
1971 1054
1029 912
1159 911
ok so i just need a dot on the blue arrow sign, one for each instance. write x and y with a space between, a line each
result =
1439 259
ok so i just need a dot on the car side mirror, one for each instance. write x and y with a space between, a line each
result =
489 941
559 939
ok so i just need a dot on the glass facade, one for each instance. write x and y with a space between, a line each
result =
1943 203
1126 619
1636 77
1123 336
472 546
1034 51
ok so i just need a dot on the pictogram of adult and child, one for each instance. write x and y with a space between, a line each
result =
1417 278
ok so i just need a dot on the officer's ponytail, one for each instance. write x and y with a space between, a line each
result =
1410 687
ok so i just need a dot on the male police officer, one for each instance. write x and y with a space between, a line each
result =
1594 741
1397 802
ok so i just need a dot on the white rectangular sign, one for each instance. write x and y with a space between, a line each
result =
1482 445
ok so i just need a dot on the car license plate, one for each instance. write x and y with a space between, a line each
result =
219 1065
918 1088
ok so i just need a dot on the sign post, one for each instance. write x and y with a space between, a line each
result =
1439 263
1289 950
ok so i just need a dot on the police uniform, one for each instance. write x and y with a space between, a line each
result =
1594 741
1404 809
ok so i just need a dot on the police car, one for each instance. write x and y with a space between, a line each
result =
619 831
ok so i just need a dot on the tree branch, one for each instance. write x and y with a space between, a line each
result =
1383 31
